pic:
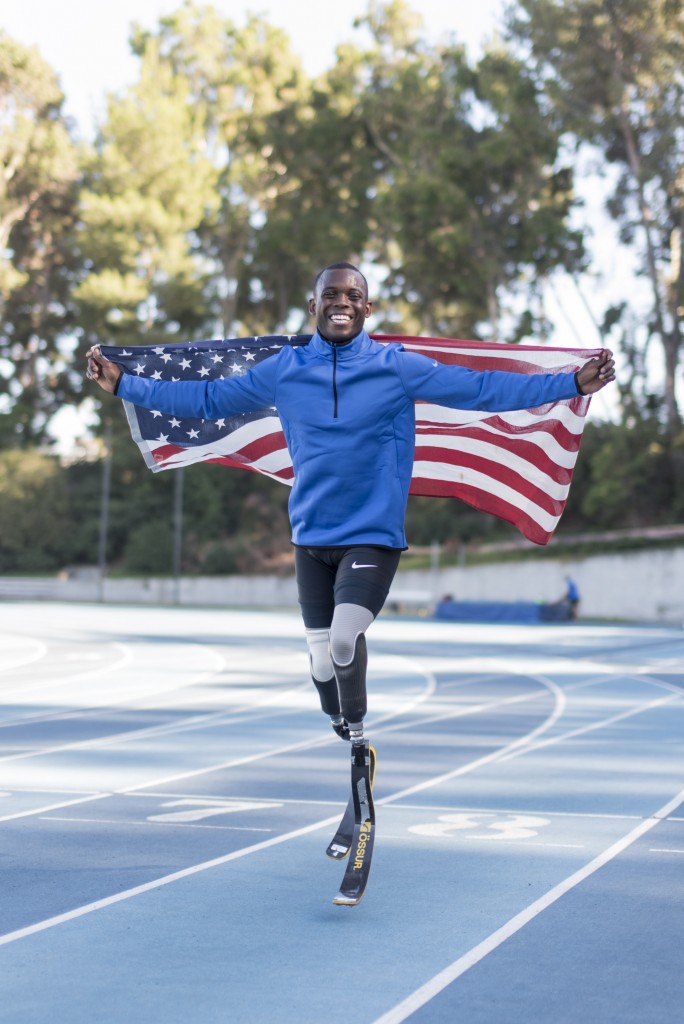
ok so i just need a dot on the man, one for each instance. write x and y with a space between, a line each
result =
346 404
572 597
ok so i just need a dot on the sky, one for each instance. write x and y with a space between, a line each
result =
86 41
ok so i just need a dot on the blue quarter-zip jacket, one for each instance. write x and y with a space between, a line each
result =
347 412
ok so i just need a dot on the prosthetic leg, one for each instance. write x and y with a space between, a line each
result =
351 681
351 684
322 673
330 703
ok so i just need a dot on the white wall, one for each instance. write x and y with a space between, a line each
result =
644 586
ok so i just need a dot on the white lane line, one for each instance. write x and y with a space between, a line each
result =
440 981
199 797
89 674
499 842
158 883
464 710
55 807
469 809
187 724
583 730
151 824
494 755
18 659
106 704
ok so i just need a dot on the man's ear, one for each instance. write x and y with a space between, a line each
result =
369 309
312 307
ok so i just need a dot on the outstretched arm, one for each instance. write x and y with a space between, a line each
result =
102 370
499 390
199 399
595 374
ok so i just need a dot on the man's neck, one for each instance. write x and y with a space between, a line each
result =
337 342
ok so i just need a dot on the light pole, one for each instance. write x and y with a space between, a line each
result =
105 487
177 532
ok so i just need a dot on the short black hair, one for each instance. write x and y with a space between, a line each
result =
341 265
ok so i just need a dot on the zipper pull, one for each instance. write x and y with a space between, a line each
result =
334 382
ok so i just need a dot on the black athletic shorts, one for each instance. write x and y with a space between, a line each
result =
361 574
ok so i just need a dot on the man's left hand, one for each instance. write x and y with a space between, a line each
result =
595 374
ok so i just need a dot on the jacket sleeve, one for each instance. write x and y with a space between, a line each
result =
208 400
488 390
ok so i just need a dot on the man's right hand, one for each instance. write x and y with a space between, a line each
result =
102 370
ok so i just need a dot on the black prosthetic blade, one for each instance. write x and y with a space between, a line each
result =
340 844
363 834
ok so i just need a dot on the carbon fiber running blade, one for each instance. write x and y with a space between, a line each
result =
340 844
363 836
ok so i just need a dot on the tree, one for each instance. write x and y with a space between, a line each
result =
469 192
34 512
39 173
147 186
240 82
613 73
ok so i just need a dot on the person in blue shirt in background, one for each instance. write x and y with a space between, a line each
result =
346 405
572 597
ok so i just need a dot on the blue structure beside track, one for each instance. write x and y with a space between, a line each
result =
501 611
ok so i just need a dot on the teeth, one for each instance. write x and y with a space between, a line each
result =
339 318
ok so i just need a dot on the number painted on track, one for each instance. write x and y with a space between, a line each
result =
507 827
197 810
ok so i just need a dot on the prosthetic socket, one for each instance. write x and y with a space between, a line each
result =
343 697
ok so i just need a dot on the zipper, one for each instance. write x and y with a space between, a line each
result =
334 381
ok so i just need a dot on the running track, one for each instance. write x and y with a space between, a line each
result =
168 787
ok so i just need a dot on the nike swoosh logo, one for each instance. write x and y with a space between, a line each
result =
355 566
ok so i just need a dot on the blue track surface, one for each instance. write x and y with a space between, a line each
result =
168 788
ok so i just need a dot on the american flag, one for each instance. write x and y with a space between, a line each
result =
515 465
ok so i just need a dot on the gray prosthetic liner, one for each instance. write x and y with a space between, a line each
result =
350 658
322 673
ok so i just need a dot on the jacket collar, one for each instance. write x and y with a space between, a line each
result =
358 345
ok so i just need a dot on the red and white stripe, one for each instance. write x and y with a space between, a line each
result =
514 465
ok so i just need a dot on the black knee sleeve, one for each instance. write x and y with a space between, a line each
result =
328 694
351 680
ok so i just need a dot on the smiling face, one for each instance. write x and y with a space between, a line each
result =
340 304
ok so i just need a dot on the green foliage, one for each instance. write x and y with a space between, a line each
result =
470 199
634 476
34 509
612 74
148 550
38 174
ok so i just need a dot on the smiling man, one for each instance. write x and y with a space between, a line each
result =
346 405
